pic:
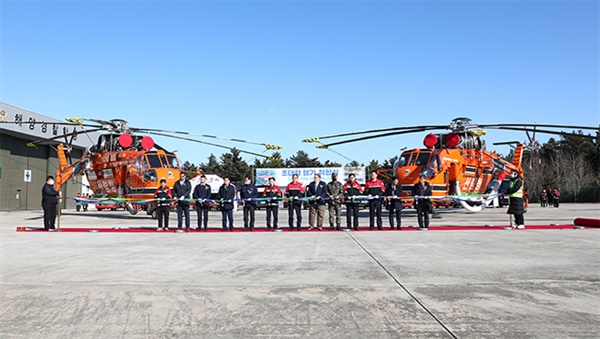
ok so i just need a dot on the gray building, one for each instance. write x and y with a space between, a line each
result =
23 169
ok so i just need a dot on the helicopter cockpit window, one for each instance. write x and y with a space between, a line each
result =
402 161
172 163
150 175
153 161
421 159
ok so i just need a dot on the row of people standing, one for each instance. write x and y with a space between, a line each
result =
325 196
334 191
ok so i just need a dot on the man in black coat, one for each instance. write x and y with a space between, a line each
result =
423 205
226 195
202 194
50 203
394 193
249 193
182 191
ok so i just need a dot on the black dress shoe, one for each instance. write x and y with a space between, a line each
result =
338 228
331 228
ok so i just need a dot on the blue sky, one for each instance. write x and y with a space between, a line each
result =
279 71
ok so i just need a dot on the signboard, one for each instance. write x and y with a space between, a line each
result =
214 181
27 123
283 176
27 175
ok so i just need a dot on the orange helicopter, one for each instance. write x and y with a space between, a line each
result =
124 165
457 164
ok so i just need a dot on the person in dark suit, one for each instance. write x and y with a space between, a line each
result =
422 204
248 194
50 197
202 194
182 190
226 195
394 193
318 190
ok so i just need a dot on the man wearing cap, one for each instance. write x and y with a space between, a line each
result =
516 204
163 197
335 190
422 190
50 197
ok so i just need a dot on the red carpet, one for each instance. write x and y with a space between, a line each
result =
304 230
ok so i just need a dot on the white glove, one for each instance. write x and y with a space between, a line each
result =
249 199
163 199
181 198
274 198
395 196
318 198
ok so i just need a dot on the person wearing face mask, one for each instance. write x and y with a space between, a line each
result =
50 197
516 204
181 191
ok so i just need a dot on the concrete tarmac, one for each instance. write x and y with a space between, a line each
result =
374 284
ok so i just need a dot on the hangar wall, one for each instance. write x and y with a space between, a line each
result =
16 157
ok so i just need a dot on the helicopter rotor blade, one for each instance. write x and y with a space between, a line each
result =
506 143
377 136
528 136
549 132
208 143
426 127
70 134
538 125
267 146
